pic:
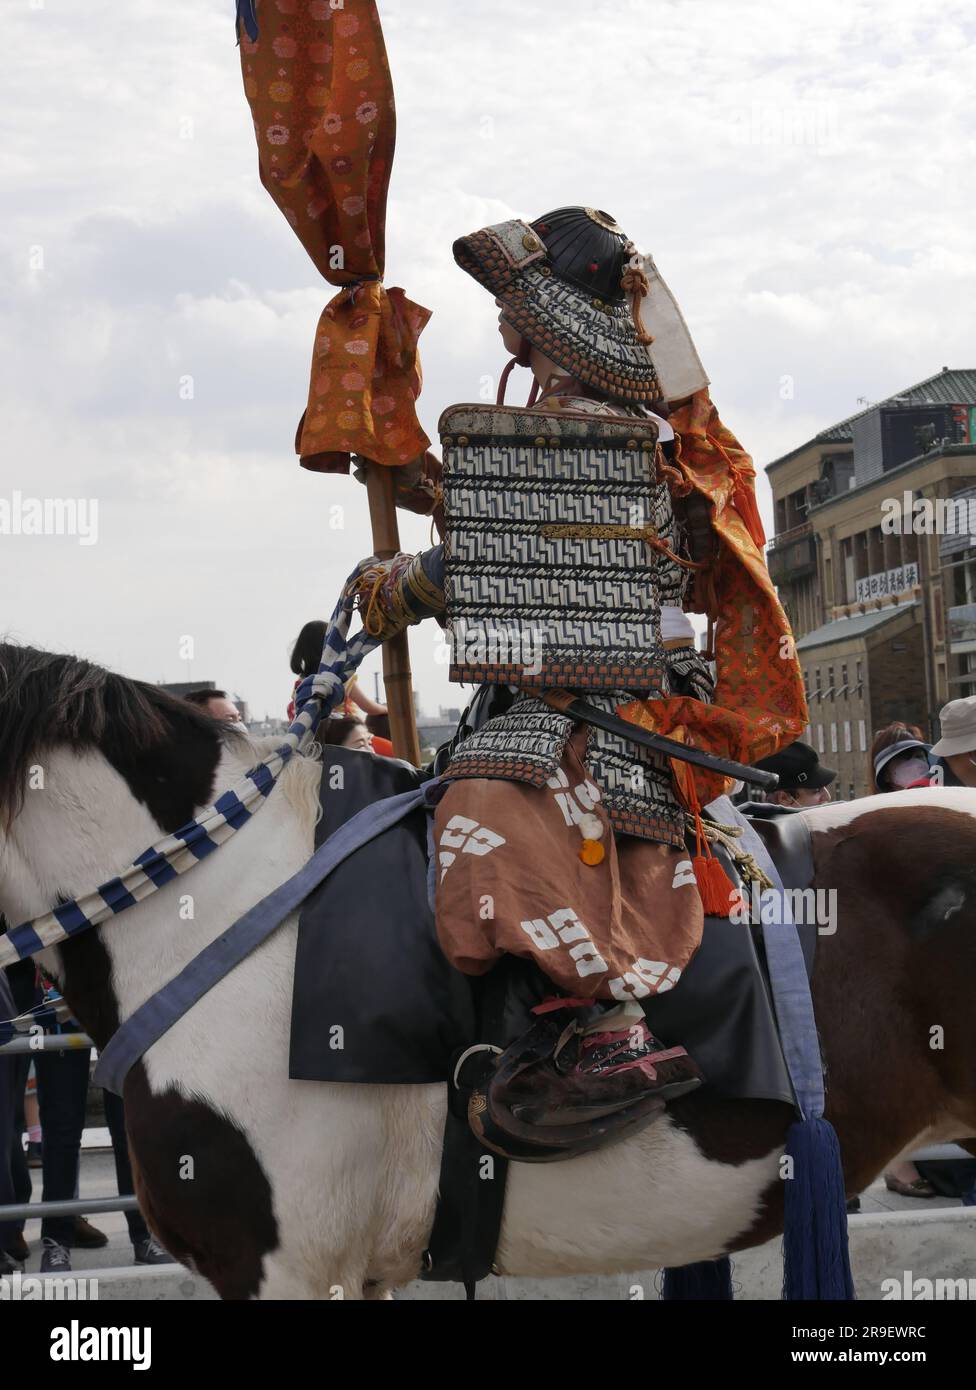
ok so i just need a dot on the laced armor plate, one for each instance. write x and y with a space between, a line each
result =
517 485
556 529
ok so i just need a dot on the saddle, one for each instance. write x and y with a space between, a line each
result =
375 1001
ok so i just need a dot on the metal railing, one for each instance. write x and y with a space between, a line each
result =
46 1042
795 533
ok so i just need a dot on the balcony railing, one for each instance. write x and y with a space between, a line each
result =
792 555
795 533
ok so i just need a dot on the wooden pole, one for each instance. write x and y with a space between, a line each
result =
396 652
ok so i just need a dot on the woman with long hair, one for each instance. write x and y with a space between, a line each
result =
305 657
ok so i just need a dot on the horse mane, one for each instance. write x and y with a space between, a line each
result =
47 700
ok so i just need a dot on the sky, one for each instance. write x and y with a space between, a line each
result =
802 174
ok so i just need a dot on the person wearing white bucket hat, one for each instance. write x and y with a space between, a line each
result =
955 752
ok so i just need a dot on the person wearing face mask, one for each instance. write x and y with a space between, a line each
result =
899 758
953 758
803 782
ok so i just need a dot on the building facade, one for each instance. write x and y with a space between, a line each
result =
874 558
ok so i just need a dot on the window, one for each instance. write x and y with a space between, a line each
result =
820 738
833 738
862 735
851 792
860 679
819 688
830 683
847 735
843 680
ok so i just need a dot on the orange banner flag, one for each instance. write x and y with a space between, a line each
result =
318 83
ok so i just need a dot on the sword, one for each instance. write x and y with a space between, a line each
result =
613 724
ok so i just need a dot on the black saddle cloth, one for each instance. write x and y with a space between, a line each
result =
376 1001
374 998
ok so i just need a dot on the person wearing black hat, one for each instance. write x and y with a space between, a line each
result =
803 779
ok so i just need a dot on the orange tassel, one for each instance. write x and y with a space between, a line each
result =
716 889
744 501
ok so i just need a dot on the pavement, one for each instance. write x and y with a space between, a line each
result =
98 1180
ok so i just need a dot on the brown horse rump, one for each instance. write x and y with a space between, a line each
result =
376 1001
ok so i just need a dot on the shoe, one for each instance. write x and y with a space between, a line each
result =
919 1188
87 1236
853 1205
56 1258
581 1077
35 1155
18 1249
150 1252
603 1062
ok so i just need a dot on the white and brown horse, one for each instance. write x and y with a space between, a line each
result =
293 1189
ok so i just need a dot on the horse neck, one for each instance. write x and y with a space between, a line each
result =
89 828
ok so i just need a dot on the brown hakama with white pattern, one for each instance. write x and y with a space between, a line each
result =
511 880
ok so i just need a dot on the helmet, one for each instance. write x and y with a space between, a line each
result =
572 283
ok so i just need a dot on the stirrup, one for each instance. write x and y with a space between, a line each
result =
551 1096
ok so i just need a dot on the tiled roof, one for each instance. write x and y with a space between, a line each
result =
951 386
843 628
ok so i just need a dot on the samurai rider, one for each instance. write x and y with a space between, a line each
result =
568 531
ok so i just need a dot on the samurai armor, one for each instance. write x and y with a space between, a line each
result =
552 578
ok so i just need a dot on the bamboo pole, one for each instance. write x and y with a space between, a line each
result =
396 652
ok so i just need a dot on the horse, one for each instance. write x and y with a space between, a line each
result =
282 1189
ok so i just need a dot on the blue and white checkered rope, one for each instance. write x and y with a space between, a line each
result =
315 697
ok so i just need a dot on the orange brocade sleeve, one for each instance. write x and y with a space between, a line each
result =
760 704
319 87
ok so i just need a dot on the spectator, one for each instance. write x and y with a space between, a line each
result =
306 658
15 1183
347 733
62 1084
899 757
379 727
953 758
803 779
216 703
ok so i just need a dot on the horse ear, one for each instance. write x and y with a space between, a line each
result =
174 775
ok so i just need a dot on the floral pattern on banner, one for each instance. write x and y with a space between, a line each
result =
760 705
318 83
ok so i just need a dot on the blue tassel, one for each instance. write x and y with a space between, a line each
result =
247 17
709 1280
816 1259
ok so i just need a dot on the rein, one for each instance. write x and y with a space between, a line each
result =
315 697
